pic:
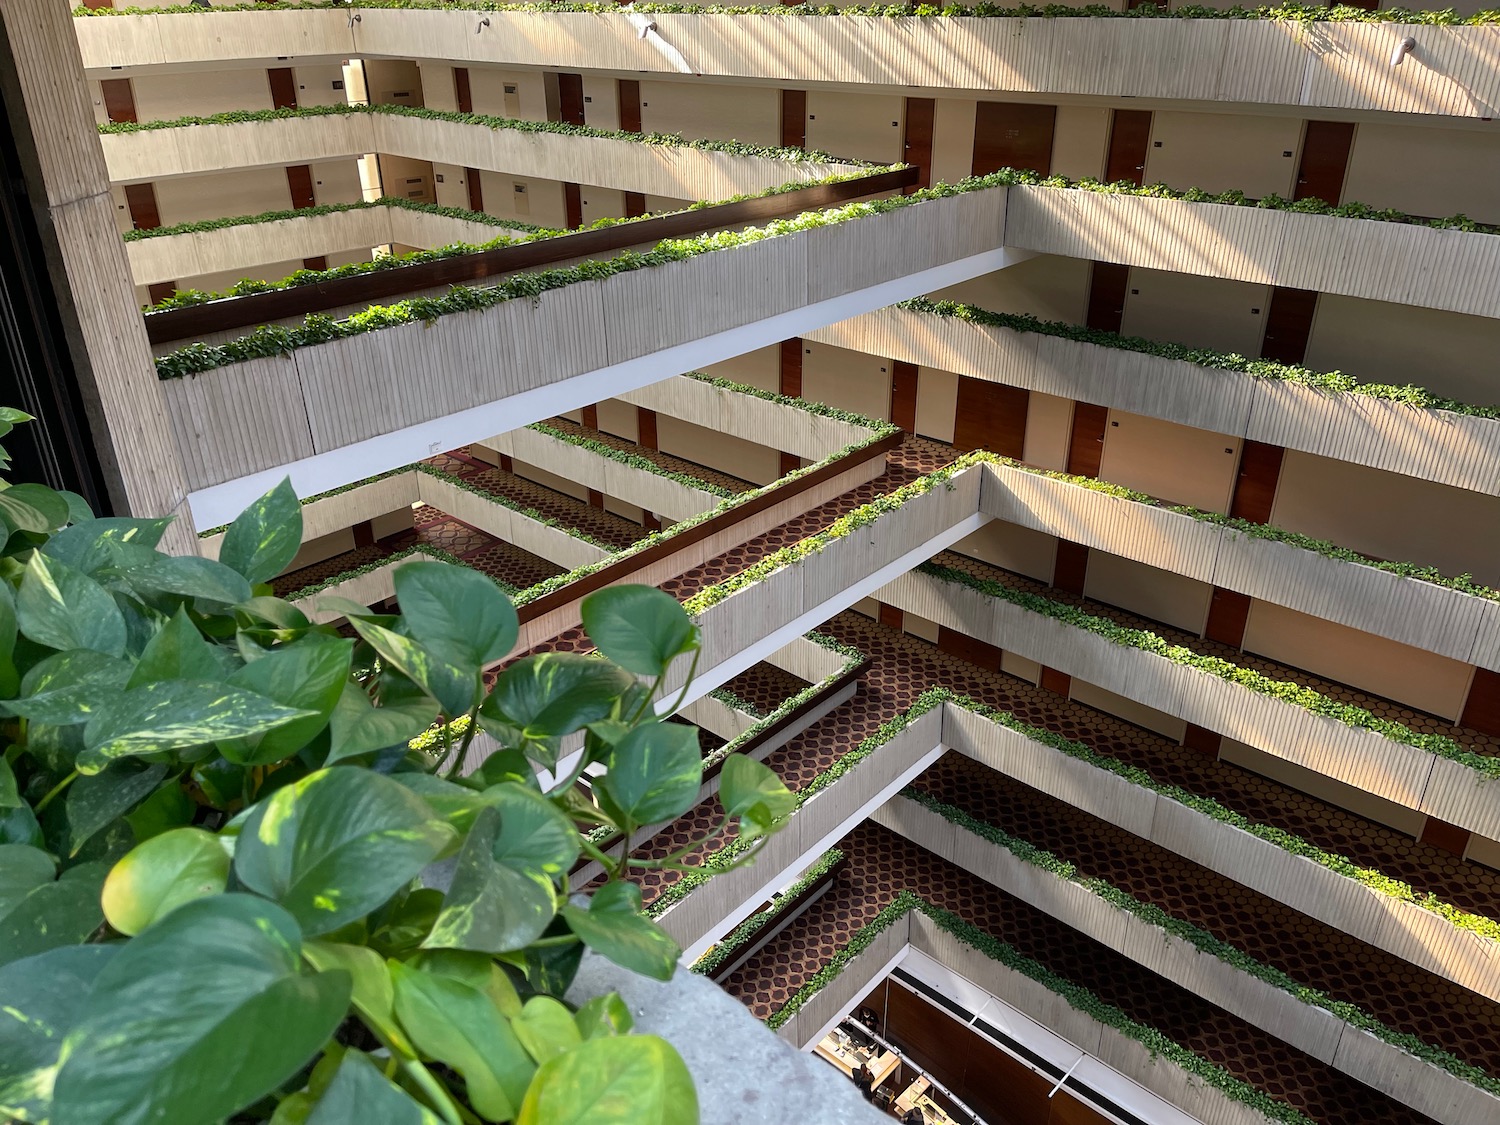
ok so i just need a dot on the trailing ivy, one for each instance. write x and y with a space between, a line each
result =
809 406
273 340
488 121
1291 12
1286 691
730 944
1207 806
202 226
1207 943
633 460
421 549
1332 381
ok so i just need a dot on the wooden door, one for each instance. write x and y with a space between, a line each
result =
794 119
1482 708
1255 485
1013 135
475 184
463 95
140 200
635 204
159 291
1086 439
573 205
630 105
299 180
1325 161
1108 284
1228 612
283 87
570 98
904 395
318 263
1129 135
119 99
917 148
791 367
1289 322
990 416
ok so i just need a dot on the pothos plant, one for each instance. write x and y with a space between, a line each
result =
223 894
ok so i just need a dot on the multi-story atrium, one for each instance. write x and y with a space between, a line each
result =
1071 430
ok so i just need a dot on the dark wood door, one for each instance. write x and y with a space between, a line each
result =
573 205
1129 135
570 98
1108 284
635 204
159 291
1228 612
1325 160
791 367
794 118
1086 439
318 263
1070 569
917 149
1013 135
1289 322
119 99
630 105
1482 708
475 184
904 395
299 180
283 87
462 93
1255 485
140 200
990 416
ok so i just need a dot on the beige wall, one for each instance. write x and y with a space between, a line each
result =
247 191
1047 286
541 202
729 454
1146 590
1080 140
438 91
527 101
1426 170
918 626
1390 516
862 126
952 140
551 480
712 111
601 102
937 402
336 181
1378 342
1032 553
1168 461
163 97
1168 726
393 81
1049 426
601 203
1224 152
760 368
315 84
406 179
1382 667
450 185
272 271
1200 312
845 379
619 418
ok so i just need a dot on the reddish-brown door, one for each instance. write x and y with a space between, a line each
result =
1289 324
791 367
140 200
1325 160
318 263
299 180
159 291
570 98
573 205
630 105
990 416
1129 135
283 87
1013 135
635 204
917 148
1255 486
475 185
119 99
1228 612
904 395
1086 439
1108 284
794 118
463 95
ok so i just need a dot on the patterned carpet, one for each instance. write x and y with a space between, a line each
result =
764 687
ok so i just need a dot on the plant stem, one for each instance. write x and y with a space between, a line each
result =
683 851
601 857
692 671
55 790
463 747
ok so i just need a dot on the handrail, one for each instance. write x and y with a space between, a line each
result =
631 562
196 321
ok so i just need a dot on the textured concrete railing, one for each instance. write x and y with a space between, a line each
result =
1455 449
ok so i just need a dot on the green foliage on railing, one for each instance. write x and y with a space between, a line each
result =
418 549
202 226
1207 806
810 406
1207 943
324 495
1299 13
269 340
1332 381
633 460
731 943
1286 691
